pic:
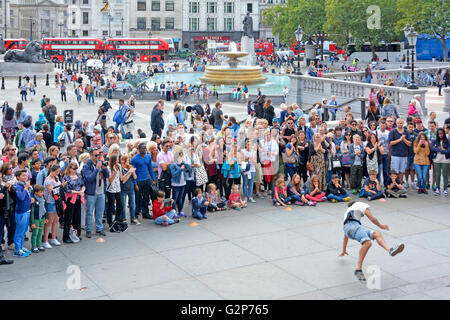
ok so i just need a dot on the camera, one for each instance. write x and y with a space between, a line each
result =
104 163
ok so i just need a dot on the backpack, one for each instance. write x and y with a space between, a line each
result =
16 140
51 114
120 114
9 113
118 227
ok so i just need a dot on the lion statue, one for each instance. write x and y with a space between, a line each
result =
31 54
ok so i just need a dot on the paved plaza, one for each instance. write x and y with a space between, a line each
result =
262 252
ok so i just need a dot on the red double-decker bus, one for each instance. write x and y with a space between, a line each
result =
264 48
56 48
11 44
143 50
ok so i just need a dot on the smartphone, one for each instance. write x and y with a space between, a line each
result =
167 202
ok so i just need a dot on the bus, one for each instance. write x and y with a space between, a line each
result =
57 48
171 44
390 52
11 44
261 48
143 50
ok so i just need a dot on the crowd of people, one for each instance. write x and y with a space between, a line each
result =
58 175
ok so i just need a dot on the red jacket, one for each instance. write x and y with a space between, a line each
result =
158 211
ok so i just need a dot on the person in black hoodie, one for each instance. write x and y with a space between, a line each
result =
157 121
268 111
335 192
5 206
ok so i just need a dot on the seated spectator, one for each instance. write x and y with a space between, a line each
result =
313 188
335 192
163 215
235 201
295 191
372 187
199 205
212 196
394 188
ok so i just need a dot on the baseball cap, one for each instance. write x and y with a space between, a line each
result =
417 121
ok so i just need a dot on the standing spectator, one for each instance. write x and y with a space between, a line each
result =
422 161
368 74
441 160
9 123
171 121
127 183
144 180
94 174
74 197
179 170
23 92
399 142
113 191
165 159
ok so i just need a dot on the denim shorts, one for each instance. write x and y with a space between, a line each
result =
353 230
411 165
399 164
50 207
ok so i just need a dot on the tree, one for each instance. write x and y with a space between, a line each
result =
309 14
372 21
430 17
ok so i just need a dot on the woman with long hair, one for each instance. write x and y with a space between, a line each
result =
268 111
52 186
373 113
317 152
374 152
20 113
422 161
291 168
113 191
268 153
127 188
303 152
9 126
249 170
74 196
441 160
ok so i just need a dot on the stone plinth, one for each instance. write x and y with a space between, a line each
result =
446 99
15 69
248 45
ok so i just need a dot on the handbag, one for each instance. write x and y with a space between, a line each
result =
372 164
201 177
335 163
288 159
309 166
128 126
346 160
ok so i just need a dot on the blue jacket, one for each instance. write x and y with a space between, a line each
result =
89 175
197 205
435 149
351 150
175 171
23 203
309 134
59 128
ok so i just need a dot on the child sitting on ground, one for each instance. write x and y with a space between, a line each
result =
314 191
212 196
372 187
335 192
163 215
235 201
280 197
295 191
38 218
199 205
394 188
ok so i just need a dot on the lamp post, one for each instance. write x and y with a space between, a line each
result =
298 36
149 45
109 25
60 26
122 20
406 32
412 37
31 28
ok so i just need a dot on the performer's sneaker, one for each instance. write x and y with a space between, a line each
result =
360 276
397 249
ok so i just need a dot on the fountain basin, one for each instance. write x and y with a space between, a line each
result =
248 75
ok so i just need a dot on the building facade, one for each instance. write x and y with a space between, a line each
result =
219 20
265 29
163 18
35 19
86 19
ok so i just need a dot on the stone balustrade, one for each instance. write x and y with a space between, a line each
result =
381 76
306 90
389 65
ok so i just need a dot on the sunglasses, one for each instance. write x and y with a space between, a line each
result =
13 149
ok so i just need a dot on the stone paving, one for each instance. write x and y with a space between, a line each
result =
262 252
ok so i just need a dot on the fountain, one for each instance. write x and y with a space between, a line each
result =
234 73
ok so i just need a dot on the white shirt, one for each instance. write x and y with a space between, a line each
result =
356 211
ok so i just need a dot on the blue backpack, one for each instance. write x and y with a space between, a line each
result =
119 116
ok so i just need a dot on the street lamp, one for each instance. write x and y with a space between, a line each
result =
149 45
31 28
109 25
406 32
122 20
298 36
412 37
60 26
